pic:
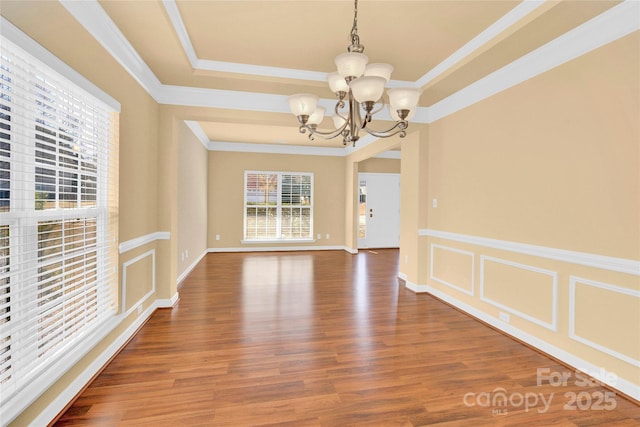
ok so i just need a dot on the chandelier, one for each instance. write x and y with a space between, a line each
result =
357 85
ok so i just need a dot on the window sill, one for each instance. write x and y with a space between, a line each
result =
271 241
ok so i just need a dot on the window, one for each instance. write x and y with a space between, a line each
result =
278 206
362 210
58 221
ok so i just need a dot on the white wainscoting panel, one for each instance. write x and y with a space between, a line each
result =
458 287
553 324
573 282
125 265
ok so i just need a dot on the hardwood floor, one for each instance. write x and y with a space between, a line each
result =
327 339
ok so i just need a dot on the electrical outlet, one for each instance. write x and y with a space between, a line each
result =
435 203
186 253
139 310
319 236
504 317
327 236
217 237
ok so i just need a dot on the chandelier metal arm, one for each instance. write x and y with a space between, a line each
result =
340 104
315 132
400 127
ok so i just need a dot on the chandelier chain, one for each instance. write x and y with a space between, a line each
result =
355 39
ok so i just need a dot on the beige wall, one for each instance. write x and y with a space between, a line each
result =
226 195
193 162
552 162
50 25
379 165
413 214
558 153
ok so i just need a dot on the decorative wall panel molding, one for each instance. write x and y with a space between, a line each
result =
469 290
128 310
603 314
552 323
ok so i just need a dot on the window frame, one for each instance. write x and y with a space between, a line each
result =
90 261
279 208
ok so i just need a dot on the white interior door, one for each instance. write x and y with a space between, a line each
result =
379 210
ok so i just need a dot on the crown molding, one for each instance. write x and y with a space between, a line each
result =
512 17
248 101
227 99
605 28
237 68
259 70
181 30
391 154
198 132
244 147
231 67
97 22
280 148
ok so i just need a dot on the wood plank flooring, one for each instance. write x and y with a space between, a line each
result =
327 338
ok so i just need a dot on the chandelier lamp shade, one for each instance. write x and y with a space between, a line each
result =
360 90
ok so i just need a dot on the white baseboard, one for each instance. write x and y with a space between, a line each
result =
69 393
186 272
282 249
630 389
167 303
20 401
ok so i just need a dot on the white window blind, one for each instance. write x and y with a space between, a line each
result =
278 206
58 218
